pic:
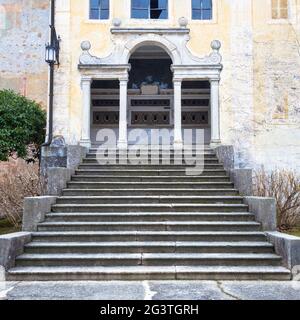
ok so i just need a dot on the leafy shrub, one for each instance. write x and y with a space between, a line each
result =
284 186
22 122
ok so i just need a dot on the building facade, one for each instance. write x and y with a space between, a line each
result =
23 33
229 67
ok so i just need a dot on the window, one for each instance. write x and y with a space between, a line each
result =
149 9
279 9
202 9
99 9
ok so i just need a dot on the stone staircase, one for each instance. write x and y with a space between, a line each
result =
141 222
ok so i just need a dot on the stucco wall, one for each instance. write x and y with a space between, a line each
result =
23 33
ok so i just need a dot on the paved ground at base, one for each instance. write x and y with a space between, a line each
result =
151 290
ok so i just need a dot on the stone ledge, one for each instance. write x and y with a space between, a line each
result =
287 246
264 210
12 245
150 30
56 180
242 179
35 210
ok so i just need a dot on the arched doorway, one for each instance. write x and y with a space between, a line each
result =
150 95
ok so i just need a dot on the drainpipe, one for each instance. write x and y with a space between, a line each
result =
53 40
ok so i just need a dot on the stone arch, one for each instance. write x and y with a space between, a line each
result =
155 40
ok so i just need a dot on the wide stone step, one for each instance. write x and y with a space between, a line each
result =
156 161
152 155
145 172
149 216
151 226
98 166
149 192
149 259
149 185
149 247
107 236
169 207
148 273
178 179
133 199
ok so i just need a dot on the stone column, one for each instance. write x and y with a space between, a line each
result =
86 113
122 144
215 112
177 114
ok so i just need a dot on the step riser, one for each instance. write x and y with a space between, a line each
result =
148 249
174 192
148 228
147 262
145 218
150 179
138 208
161 158
146 200
149 173
97 166
95 185
151 161
111 238
144 276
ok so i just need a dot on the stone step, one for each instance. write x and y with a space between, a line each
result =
169 207
133 199
107 236
70 273
149 216
177 179
146 149
149 192
98 166
156 161
149 247
145 172
149 185
151 226
149 259
153 155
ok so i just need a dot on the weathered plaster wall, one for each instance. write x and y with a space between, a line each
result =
23 33
277 88
260 86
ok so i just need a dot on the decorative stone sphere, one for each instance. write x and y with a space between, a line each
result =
216 45
117 22
85 45
183 22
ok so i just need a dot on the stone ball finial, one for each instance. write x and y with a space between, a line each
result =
117 22
183 22
216 45
85 45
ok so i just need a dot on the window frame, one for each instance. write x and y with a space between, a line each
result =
279 10
201 10
292 14
149 12
90 19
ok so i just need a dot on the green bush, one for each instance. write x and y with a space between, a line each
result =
22 122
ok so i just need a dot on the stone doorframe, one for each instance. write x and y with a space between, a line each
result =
185 66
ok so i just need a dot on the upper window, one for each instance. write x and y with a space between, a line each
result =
99 9
202 9
279 9
149 9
